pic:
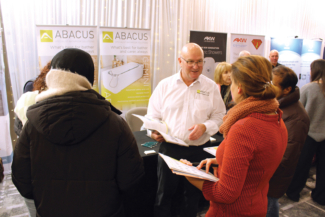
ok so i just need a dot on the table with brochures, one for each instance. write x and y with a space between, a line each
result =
140 200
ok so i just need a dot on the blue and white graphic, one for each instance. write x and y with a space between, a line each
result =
311 51
289 52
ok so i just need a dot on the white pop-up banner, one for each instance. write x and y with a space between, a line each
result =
311 50
52 39
297 54
125 67
254 44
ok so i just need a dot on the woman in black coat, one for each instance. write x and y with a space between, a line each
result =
75 154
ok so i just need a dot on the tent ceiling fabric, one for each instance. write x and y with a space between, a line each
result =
169 20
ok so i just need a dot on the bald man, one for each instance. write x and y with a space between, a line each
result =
274 57
192 107
244 53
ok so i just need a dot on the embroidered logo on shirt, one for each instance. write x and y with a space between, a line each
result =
203 92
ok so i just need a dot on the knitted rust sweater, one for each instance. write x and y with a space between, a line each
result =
248 157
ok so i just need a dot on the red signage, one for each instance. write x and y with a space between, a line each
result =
257 43
240 39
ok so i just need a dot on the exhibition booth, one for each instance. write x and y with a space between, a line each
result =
134 44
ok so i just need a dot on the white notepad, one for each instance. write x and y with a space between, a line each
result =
182 169
211 150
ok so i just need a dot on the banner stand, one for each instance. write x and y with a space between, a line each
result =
214 45
124 62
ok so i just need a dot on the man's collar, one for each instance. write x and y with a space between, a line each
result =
180 79
290 98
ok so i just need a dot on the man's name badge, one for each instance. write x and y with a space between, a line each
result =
203 92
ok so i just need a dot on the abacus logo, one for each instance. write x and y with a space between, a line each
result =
46 35
108 37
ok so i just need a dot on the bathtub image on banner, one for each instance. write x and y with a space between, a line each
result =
117 79
125 76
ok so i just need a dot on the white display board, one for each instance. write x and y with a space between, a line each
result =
255 44
52 39
125 74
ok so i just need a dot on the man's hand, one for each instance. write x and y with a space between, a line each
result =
157 136
197 132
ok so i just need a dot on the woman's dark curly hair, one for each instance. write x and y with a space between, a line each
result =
39 83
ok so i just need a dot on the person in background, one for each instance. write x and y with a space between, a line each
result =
28 98
29 85
244 53
222 78
75 154
2 175
296 120
191 105
312 96
255 139
274 57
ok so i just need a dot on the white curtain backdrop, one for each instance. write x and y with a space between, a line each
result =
169 20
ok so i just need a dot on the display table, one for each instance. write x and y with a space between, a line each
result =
141 137
140 201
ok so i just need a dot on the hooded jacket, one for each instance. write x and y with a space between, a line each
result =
75 155
296 120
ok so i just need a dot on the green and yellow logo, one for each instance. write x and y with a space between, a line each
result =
46 36
108 37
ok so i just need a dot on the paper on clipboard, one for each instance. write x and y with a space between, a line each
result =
182 169
174 140
211 150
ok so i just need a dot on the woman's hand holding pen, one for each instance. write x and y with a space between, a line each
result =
207 163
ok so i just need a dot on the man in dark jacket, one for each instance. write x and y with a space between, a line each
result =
296 120
75 154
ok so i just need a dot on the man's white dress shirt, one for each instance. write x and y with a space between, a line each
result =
182 106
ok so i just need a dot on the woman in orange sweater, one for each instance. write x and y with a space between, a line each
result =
255 139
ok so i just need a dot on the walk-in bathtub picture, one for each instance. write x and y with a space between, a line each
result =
125 80
116 79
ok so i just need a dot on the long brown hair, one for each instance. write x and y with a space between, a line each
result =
254 73
39 83
317 71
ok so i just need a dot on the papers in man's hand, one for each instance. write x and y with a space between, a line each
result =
162 128
184 170
211 150
171 139
153 124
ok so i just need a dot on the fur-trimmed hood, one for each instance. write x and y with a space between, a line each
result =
69 111
60 82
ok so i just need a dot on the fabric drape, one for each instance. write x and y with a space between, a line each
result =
169 20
